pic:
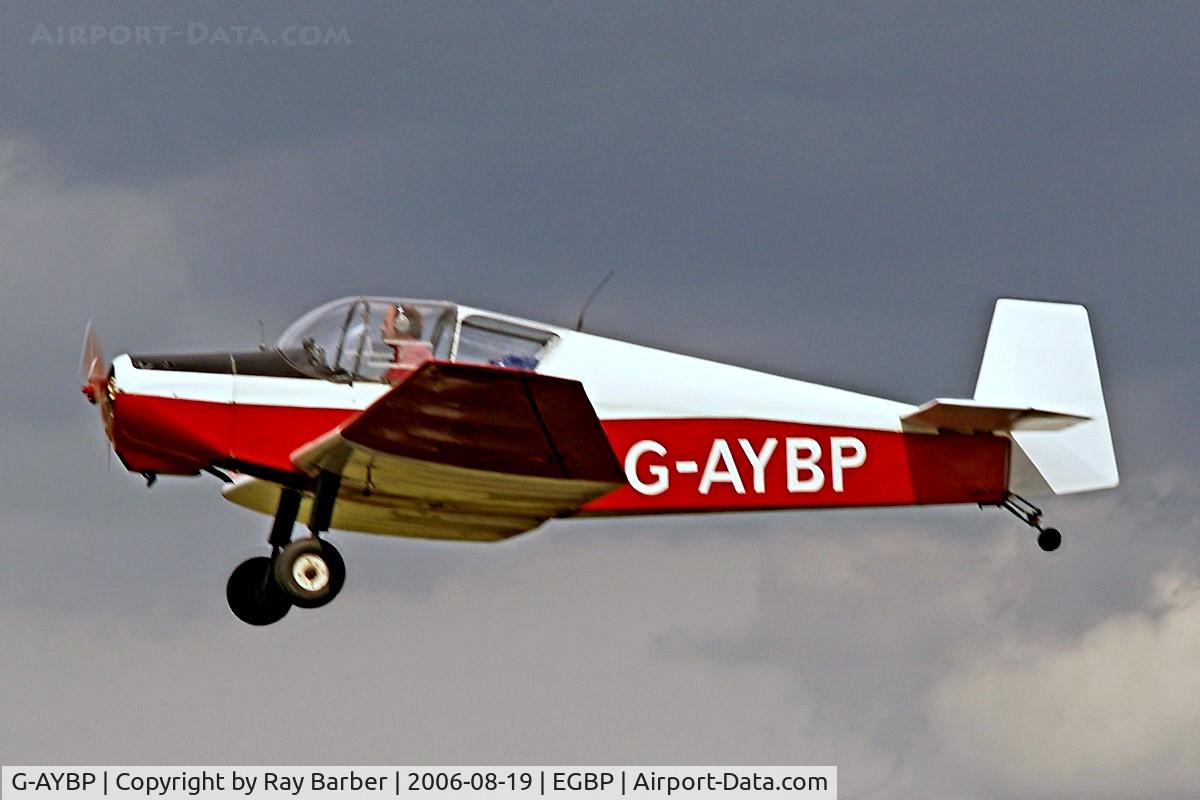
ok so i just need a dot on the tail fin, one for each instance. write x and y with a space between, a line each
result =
1041 355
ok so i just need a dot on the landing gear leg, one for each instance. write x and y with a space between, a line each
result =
307 573
311 571
1048 539
328 484
285 519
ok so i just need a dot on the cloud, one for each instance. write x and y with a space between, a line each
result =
74 249
1113 712
782 638
550 652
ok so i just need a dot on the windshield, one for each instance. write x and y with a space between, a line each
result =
367 338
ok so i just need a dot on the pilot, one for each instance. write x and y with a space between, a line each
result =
401 331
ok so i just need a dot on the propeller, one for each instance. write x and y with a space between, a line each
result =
93 369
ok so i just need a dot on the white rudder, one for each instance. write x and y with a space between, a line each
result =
1041 355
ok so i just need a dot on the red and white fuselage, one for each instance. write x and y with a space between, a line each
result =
691 435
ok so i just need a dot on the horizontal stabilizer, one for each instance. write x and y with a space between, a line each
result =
976 417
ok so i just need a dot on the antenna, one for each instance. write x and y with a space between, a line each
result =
591 297
262 337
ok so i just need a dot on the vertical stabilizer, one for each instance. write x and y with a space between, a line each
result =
1041 355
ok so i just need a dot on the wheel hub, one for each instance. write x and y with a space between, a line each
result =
310 572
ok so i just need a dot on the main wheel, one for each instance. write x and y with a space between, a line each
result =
337 567
253 595
310 572
1049 539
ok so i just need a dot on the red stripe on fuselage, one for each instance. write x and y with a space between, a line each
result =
195 433
683 465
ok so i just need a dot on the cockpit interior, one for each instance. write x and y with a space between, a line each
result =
382 338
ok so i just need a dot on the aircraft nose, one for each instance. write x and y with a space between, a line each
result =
153 429
104 395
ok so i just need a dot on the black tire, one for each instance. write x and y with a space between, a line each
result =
337 568
310 572
1049 539
253 596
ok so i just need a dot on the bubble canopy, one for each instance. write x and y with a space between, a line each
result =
360 337
380 338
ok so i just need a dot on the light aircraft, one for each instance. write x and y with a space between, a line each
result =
432 419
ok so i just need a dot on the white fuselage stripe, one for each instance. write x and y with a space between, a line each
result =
622 380
257 390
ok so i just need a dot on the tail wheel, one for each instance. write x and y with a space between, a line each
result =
253 595
310 572
1049 539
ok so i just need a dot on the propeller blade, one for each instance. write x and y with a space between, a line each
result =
94 371
91 360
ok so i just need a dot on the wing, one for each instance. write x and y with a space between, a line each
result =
460 451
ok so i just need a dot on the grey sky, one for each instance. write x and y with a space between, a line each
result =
834 191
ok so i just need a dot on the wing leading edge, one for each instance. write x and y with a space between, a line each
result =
459 451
